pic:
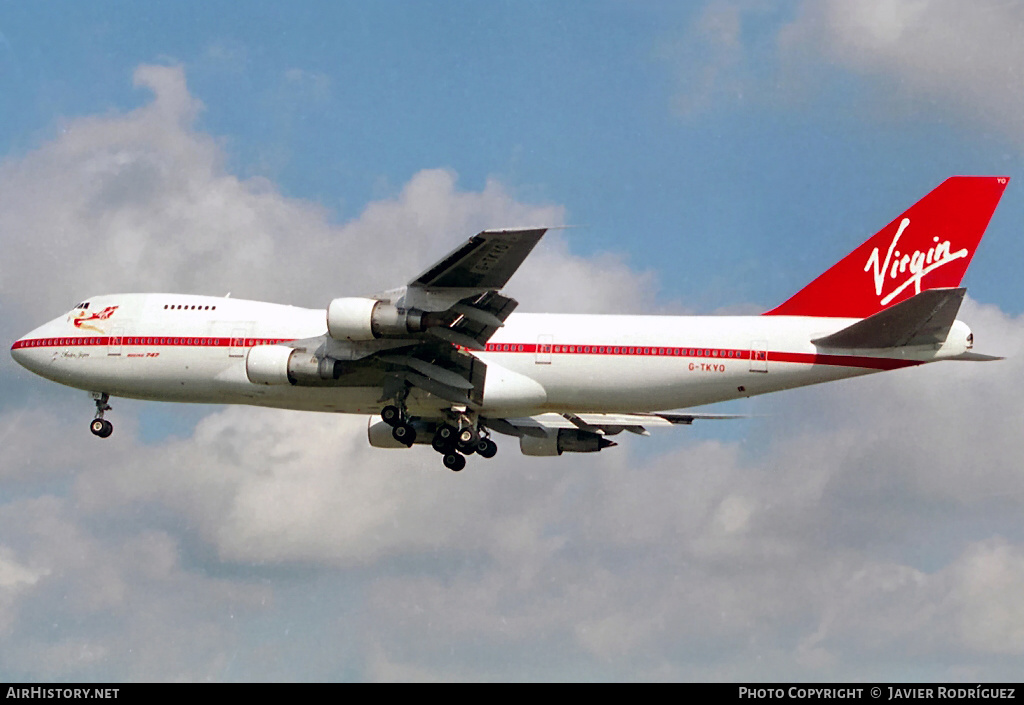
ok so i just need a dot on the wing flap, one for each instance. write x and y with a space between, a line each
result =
439 374
603 424
438 389
456 337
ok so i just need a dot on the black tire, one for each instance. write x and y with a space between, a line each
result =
466 448
487 448
391 415
101 428
404 433
446 432
454 462
442 445
467 436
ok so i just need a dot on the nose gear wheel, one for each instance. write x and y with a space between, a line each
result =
100 426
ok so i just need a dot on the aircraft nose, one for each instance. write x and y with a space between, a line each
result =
25 350
17 351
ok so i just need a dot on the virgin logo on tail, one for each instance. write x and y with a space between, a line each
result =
915 265
911 254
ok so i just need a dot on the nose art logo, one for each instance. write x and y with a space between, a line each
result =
82 320
914 265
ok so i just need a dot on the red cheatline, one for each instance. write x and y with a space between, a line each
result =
874 363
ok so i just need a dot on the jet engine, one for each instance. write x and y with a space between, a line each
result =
356 318
565 440
379 434
280 364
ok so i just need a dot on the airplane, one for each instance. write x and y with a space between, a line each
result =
444 360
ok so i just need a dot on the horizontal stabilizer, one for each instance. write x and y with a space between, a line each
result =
976 357
923 319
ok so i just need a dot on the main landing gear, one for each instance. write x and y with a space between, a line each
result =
453 442
398 420
100 426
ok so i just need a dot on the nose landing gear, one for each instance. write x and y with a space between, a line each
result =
100 426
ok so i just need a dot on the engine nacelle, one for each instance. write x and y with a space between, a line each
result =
357 318
379 434
565 440
280 364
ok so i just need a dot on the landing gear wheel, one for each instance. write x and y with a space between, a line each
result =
442 445
467 440
101 428
486 448
404 433
444 439
446 433
454 462
391 415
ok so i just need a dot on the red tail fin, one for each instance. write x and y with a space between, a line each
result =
928 247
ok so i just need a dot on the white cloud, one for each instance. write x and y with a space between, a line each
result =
117 600
923 57
963 55
987 582
12 574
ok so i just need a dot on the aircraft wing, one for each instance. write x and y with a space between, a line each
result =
485 262
461 308
461 290
601 424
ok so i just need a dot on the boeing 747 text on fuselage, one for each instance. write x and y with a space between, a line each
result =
444 360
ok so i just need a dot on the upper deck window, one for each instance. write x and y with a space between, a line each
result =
185 306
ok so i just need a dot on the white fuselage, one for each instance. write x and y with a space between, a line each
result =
168 347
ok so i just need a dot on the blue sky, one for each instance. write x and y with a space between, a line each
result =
716 156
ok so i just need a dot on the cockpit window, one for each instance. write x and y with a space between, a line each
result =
83 305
